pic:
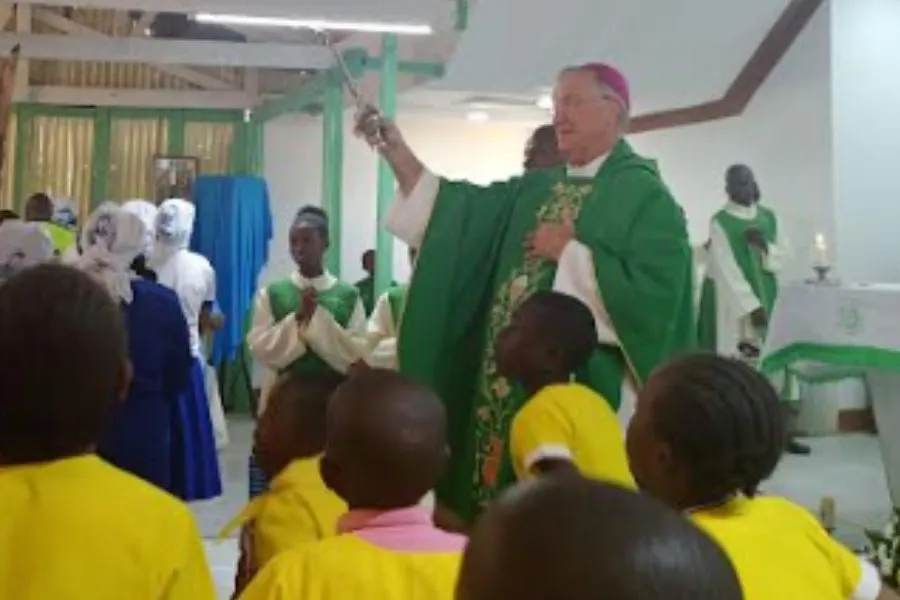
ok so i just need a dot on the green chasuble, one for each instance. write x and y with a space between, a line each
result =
397 301
751 264
340 300
366 289
472 272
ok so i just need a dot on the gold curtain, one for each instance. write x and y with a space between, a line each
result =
9 165
58 157
133 143
211 143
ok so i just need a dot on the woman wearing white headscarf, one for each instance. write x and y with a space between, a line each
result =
146 212
193 280
22 245
140 437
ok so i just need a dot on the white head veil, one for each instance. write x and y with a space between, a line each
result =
175 223
111 240
146 212
22 245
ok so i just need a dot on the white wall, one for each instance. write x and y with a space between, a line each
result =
784 135
480 152
866 124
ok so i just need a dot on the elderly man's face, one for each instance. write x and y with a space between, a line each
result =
584 114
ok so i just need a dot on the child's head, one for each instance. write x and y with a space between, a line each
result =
63 364
569 538
309 239
293 424
386 441
549 336
706 428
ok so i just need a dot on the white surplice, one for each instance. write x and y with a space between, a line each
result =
408 217
735 300
275 345
381 335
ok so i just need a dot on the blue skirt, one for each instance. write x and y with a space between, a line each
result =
139 439
195 466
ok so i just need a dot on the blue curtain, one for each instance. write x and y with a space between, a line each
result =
232 230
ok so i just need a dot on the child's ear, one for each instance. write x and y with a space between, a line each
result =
123 379
331 475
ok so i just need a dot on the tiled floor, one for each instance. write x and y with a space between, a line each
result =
847 468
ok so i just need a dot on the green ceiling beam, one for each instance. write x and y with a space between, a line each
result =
311 92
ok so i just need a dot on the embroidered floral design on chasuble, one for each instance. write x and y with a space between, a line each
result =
494 418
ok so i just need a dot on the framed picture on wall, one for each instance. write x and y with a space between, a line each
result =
174 176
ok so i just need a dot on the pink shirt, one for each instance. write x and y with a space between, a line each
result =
403 530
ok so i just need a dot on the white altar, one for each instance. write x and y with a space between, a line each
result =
850 326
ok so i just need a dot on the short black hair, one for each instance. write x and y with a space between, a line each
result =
315 216
602 541
545 134
62 345
564 323
39 206
388 433
308 397
8 215
722 419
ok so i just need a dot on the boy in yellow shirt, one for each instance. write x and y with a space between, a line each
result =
564 425
707 432
71 525
385 449
297 508
570 538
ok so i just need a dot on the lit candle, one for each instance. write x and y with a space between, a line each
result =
821 256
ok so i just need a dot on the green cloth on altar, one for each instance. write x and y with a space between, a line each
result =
339 300
751 264
472 272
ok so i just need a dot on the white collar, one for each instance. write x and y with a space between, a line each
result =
588 171
323 282
747 213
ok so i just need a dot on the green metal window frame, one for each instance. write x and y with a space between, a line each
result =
246 150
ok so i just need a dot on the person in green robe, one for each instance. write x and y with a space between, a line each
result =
384 324
366 285
745 254
541 150
603 228
309 322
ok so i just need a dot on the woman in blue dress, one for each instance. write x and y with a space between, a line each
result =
139 439
193 280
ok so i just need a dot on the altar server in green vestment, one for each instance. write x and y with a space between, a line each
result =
384 324
744 257
309 322
603 228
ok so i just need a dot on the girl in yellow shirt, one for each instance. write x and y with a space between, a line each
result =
564 425
707 432
385 449
71 525
297 508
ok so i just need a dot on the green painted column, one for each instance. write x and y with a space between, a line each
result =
175 124
333 167
387 103
100 174
23 131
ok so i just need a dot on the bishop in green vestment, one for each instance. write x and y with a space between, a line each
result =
604 229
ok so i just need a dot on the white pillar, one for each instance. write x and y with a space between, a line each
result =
865 95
